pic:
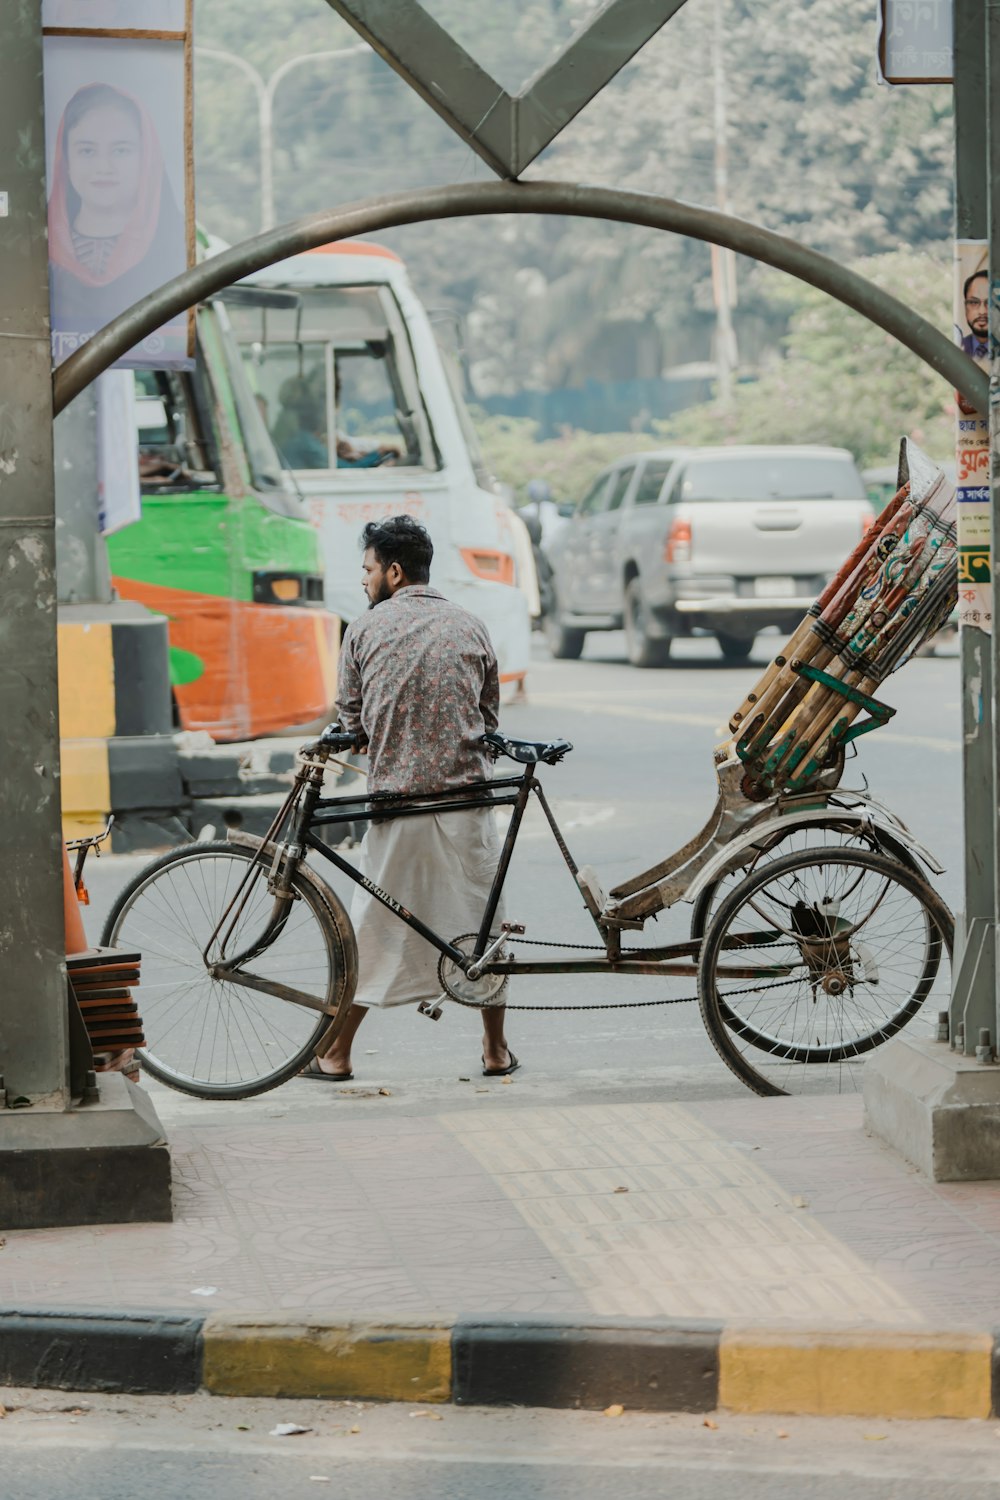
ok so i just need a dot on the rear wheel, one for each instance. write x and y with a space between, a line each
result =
814 960
212 1037
734 647
643 649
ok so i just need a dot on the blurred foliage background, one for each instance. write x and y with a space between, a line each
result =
580 339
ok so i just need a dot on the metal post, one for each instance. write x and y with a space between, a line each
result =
990 1017
33 1004
973 1003
267 120
723 261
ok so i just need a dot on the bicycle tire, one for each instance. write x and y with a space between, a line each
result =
875 839
724 1025
189 914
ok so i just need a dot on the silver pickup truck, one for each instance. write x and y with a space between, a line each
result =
723 540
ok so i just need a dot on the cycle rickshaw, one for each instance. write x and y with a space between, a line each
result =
814 938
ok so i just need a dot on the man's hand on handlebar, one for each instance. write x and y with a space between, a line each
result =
332 738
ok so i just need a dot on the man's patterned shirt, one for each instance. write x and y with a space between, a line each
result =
418 679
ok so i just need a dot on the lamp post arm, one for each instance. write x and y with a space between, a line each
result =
263 125
267 113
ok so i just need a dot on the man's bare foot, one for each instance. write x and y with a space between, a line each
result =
335 1062
499 1061
495 1056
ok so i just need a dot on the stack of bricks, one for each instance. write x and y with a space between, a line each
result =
101 980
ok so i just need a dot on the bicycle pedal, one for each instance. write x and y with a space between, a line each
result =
432 1012
513 929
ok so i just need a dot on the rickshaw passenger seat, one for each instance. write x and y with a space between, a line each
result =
527 752
591 889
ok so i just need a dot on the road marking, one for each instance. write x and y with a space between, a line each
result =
585 702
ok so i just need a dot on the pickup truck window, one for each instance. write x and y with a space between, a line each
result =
593 500
777 477
622 481
651 482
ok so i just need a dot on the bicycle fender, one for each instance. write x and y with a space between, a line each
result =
870 815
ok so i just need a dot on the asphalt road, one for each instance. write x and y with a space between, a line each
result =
638 784
55 1446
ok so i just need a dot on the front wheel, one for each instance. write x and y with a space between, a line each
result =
213 1037
643 649
565 643
815 959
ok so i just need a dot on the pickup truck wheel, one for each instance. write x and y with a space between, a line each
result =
735 647
564 643
643 651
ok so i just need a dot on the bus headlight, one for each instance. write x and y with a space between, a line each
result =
287 588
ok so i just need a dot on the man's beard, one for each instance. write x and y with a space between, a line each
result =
384 593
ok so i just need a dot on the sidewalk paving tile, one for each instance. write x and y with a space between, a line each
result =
779 1211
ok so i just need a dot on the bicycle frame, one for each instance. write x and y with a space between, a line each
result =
507 791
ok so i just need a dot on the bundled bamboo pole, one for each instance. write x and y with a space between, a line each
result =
767 690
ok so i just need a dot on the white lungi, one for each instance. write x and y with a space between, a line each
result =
440 867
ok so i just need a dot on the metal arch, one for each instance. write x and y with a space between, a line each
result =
462 200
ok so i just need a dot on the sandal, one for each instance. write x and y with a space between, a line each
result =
511 1067
315 1071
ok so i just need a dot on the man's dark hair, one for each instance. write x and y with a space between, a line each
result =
970 279
401 540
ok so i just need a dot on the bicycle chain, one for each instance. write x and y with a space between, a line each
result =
621 1004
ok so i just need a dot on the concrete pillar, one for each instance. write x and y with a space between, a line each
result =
937 1103
33 1006
61 1161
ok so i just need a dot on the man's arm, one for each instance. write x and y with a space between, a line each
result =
348 704
489 698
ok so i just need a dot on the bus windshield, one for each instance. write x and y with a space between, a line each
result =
335 380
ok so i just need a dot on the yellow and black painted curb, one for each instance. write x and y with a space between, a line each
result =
644 1366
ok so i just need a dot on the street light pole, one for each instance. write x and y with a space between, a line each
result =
265 90
723 261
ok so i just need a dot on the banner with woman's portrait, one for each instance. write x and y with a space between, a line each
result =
117 128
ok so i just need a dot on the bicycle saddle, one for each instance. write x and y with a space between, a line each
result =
527 751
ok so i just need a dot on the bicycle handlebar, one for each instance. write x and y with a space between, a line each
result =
332 738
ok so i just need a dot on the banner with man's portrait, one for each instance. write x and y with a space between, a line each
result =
972 440
118 158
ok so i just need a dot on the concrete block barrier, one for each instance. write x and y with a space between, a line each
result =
656 1366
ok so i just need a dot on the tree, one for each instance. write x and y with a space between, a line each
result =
815 151
840 379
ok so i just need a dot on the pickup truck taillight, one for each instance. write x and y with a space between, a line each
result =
678 548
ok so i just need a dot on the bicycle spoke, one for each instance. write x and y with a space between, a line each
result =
865 944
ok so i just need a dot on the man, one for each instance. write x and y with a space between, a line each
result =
419 686
976 294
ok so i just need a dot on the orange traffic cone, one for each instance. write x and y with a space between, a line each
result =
76 939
